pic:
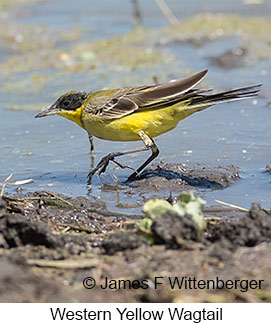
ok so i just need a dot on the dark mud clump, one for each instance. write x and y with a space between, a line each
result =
123 241
176 176
16 231
175 231
250 230
52 243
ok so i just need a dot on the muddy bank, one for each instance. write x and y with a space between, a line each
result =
172 176
50 244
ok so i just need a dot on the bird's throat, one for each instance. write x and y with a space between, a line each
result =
74 116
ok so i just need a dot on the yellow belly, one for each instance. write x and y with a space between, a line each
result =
152 122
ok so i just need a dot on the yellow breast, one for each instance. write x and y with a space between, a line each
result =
152 122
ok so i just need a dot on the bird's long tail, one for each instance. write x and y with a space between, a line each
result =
199 100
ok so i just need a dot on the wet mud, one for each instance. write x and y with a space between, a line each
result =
49 244
174 176
166 181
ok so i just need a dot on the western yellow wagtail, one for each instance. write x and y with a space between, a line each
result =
139 112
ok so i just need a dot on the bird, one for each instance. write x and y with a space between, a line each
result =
139 113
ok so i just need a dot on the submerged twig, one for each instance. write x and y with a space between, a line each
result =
79 228
4 184
167 12
232 206
57 197
64 264
136 13
23 182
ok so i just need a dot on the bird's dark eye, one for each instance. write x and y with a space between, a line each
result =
66 103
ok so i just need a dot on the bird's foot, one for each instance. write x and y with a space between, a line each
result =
104 162
102 165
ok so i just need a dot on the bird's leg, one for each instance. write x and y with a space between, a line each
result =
90 138
149 144
105 161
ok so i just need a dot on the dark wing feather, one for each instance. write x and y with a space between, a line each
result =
166 92
226 96
128 100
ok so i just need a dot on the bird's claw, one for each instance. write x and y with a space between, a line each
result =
102 165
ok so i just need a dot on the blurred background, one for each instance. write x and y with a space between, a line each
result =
49 47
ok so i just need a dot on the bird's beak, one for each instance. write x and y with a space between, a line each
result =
52 110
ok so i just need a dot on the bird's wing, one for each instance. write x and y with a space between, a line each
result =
134 99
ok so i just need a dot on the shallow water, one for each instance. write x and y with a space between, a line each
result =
55 152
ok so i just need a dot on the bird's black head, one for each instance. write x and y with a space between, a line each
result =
66 105
71 101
